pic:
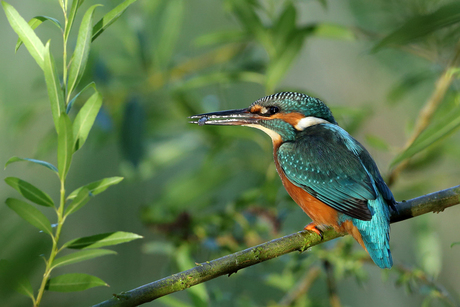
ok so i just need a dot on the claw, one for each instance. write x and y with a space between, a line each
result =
312 227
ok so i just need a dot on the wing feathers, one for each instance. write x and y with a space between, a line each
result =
322 163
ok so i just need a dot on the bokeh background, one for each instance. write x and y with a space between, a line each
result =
198 193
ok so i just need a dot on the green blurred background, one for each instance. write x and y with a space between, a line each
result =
198 193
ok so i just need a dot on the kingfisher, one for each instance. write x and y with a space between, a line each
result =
328 173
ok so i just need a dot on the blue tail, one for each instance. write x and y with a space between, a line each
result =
376 233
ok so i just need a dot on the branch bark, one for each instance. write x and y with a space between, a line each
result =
300 241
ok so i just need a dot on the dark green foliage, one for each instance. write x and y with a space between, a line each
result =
132 136
420 26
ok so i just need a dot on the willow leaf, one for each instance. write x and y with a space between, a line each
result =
33 44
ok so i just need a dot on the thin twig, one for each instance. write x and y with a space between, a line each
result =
158 79
423 277
301 288
426 113
334 299
300 241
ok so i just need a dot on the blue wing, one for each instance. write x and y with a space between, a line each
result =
333 167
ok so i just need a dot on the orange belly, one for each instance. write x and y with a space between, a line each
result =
320 213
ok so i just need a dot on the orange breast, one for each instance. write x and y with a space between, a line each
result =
319 212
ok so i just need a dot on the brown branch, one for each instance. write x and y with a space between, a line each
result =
300 241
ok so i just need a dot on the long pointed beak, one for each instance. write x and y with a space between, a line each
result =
226 118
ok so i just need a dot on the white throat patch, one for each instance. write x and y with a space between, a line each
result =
276 138
309 121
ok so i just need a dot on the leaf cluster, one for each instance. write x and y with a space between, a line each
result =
71 136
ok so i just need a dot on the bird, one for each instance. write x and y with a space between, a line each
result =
327 172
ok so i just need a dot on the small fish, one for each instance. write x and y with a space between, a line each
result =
202 120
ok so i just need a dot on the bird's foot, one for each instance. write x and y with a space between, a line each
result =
312 227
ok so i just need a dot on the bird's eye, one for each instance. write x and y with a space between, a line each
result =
273 110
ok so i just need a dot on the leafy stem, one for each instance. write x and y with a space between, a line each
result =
54 250
60 211
71 135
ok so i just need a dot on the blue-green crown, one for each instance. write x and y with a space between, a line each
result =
296 102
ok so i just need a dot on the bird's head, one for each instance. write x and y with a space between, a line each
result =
280 115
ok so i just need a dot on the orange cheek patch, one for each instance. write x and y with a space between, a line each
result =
255 109
290 118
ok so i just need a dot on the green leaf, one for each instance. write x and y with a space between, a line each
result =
103 239
420 26
433 133
284 26
80 56
85 119
280 65
30 214
455 243
55 92
133 131
65 145
16 281
73 12
35 22
97 187
30 192
334 31
71 102
25 288
110 18
73 282
246 14
80 200
171 23
39 162
80 256
33 44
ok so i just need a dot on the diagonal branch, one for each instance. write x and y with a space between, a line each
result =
300 241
